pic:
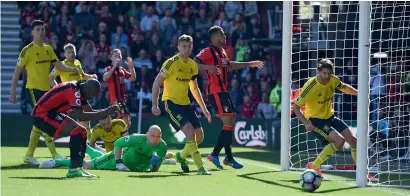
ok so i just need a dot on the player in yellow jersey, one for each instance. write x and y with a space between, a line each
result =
36 57
317 95
70 55
108 131
179 73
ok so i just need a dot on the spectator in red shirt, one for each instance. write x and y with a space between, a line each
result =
254 98
102 46
248 110
28 11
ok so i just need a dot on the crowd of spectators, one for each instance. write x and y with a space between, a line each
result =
148 33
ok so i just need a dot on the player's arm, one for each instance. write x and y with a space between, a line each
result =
193 86
59 64
203 56
300 101
345 88
126 141
21 62
158 157
234 65
52 77
77 110
166 70
131 76
108 73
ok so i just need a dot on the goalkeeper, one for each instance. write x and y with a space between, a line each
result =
136 152
319 118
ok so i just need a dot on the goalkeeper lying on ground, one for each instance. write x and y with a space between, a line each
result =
136 152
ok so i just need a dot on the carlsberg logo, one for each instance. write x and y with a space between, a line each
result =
252 135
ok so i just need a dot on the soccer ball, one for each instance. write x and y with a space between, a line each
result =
310 180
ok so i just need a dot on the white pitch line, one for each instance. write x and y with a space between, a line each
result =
341 182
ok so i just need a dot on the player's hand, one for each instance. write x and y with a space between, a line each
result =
121 167
257 64
310 127
155 110
113 109
13 98
154 160
169 155
130 63
208 115
94 76
214 70
116 63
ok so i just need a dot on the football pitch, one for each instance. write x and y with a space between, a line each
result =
260 176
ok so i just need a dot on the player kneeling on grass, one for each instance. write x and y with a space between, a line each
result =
136 152
108 130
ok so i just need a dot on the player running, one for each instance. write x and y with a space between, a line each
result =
115 75
136 152
317 94
50 115
109 130
70 55
36 57
178 73
217 65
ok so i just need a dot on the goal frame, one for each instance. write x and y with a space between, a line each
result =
363 89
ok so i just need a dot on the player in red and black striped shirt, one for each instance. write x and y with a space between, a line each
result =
217 65
50 115
115 76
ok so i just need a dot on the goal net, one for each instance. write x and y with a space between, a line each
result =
330 29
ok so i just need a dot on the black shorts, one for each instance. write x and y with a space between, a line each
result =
33 95
222 103
325 126
124 112
52 123
180 115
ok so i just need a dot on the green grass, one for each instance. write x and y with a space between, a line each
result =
260 176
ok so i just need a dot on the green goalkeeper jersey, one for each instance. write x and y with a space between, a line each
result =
137 152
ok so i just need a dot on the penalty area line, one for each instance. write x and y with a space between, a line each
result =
385 190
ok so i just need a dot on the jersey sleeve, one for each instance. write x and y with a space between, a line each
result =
129 141
166 69
304 96
126 73
80 67
195 76
120 125
162 150
204 56
96 133
22 59
55 72
53 56
74 98
337 84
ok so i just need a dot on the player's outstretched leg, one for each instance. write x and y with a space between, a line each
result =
93 153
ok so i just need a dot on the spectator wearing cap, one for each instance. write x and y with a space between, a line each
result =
146 22
142 60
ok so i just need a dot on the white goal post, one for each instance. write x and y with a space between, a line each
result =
369 43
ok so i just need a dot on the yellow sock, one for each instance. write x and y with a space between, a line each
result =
326 153
185 152
353 151
196 156
34 138
50 144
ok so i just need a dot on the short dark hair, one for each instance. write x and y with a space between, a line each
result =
326 64
214 30
36 23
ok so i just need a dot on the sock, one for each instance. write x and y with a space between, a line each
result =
227 131
77 147
34 138
50 144
63 163
93 153
196 156
185 152
353 151
328 151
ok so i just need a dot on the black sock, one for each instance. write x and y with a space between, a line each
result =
219 144
228 145
76 151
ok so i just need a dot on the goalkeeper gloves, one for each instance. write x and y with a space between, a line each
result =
154 160
120 166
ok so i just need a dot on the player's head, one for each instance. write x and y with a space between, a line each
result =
69 52
325 69
116 55
90 89
38 30
217 35
106 124
185 43
154 135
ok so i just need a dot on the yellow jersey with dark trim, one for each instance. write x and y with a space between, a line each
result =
117 131
317 97
69 76
37 59
177 75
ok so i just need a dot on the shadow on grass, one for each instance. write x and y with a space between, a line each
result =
40 178
21 166
250 176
